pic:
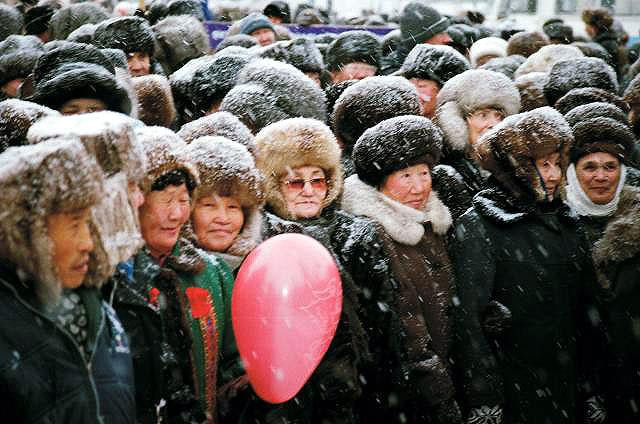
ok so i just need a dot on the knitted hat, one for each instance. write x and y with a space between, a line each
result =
492 46
219 124
69 18
353 46
129 34
419 23
155 101
431 62
582 72
16 117
526 43
180 39
395 144
11 21
583 96
254 22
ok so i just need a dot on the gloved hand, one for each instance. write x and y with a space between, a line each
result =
485 415
447 412
596 414
497 318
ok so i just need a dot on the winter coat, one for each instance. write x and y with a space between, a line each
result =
416 362
616 254
46 377
164 317
531 258
457 179
609 41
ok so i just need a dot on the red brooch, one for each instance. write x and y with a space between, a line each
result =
153 296
200 302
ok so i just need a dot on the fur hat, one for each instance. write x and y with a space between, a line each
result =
592 49
116 57
419 23
16 117
595 110
395 144
129 34
11 21
83 34
165 152
509 150
531 88
467 92
546 57
268 91
292 143
463 36
353 46
507 65
583 96
493 46
180 82
254 22
155 101
211 82
582 72
18 56
37 18
191 8
389 43
69 18
600 18
62 177
431 62
632 92
180 39
219 124
242 40
301 53
526 43
370 101
109 138
556 29
278 9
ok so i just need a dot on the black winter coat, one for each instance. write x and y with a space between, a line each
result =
533 260
457 179
45 377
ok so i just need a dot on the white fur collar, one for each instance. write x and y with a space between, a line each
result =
403 223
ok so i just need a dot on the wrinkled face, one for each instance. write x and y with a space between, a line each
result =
139 64
427 91
550 171
482 120
10 89
353 71
264 36
217 221
439 39
81 106
72 243
599 174
304 190
162 216
410 186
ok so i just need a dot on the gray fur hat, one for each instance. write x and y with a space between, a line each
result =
186 8
242 40
16 117
509 150
578 73
531 88
219 124
18 56
593 49
83 34
11 21
300 52
155 101
583 96
353 46
395 144
129 34
62 177
180 39
69 18
596 110
431 62
468 92
507 65
180 82
370 101
268 91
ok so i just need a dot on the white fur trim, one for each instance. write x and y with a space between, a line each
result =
493 46
451 121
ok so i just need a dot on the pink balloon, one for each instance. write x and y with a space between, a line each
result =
286 305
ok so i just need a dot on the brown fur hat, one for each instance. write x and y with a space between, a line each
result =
526 43
222 124
509 150
56 176
292 143
586 95
16 117
531 88
155 100
600 18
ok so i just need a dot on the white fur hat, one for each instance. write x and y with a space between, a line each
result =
487 46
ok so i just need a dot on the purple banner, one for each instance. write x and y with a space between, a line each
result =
217 30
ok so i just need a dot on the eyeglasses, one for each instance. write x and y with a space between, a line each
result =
299 183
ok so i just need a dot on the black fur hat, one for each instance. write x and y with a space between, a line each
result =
37 18
69 18
353 46
602 134
395 144
300 52
186 7
279 9
18 56
11 21
436 63
583 96
129 34
577 73
180 39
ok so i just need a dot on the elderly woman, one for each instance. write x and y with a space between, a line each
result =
393 162
609 211
520 246
469 104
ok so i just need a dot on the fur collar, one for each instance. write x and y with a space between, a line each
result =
249 237
402 223
621 238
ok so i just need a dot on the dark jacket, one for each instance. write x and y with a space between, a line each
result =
609 41
45 377
532 259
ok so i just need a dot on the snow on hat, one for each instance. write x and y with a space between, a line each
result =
546 57
433 62
531 88
492 46
242 40
353 46
180 39
395 144
11 21
18 56
278 9
467 92
526 43
370 101
190 8
180 82
505 65
69 18
268 91
62 178
632 92
129 34
556 29
155 101
301 53
253 22
582 72
583 96
83 34
596 110
220 124
292 143
419 23
592 49
16 117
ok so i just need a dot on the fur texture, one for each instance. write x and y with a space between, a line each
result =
578 73
531 88
403 223
180 39
292 143
595 110
602 134
493 46
543 59
353 46
180 82
507 65
69 18
129 34
155 101
18 56
582 96
16 117
526 43
241 40
632 92
221 124
470 91
300 52
436 63
82 34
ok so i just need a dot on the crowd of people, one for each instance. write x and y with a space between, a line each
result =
478 188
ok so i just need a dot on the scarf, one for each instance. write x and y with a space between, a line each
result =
580 203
